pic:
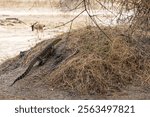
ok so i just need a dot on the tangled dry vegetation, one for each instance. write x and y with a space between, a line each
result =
140 9
103 65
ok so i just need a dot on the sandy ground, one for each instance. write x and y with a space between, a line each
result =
19 37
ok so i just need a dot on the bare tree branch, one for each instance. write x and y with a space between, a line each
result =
71 19
94 21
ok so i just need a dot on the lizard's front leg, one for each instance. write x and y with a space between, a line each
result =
41 61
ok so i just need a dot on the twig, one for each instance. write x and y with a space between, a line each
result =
70 20
84 1
105 7
76 7
68 34
32 5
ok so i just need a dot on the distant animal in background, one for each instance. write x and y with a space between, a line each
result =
39 29
37 26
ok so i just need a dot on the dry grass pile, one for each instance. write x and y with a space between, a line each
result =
102 65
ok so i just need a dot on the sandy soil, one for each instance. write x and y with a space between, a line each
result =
19 37
22 36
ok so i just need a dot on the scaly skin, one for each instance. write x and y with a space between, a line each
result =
42 58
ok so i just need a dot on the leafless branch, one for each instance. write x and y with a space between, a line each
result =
94 21
71 19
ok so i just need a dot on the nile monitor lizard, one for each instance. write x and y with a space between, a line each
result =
42 58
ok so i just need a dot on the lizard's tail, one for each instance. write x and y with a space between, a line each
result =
25 73
33 62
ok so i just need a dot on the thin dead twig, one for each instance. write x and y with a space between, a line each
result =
91 17
71 19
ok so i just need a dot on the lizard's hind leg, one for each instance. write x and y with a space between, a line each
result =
41 61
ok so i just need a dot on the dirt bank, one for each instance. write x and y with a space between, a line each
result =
115 68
